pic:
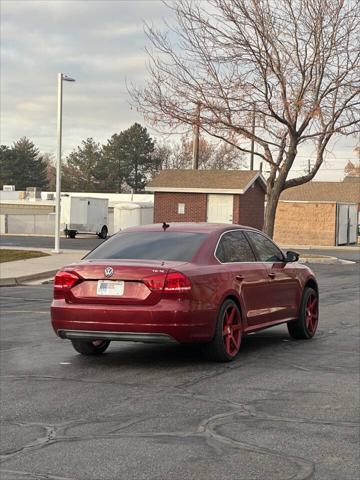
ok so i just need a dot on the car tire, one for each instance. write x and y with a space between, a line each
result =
93 347
72 234
305 326
104 232
228 333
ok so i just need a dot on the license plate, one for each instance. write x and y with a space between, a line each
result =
113 288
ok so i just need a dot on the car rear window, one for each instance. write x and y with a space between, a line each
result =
144 245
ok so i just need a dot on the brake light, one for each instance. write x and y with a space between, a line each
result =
177 282
64 281
170 282
155 282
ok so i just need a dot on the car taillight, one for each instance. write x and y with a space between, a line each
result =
177 282
64 281
155 282
170 282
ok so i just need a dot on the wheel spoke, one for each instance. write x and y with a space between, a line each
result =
231 316
313 304
236 341
227 344
236 327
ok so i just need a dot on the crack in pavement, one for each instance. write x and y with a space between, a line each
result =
306 468
36 476
207 429
76 380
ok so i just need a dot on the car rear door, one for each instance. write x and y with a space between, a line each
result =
283 288
247 276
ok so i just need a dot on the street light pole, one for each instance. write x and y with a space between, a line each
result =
61 77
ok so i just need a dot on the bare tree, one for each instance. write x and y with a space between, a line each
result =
293 61
352 169
178 155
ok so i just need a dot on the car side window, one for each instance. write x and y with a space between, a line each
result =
266 249
234 247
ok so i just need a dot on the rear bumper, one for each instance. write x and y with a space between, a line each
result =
117 336
168 320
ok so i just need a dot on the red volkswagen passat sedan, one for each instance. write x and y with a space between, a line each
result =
201 283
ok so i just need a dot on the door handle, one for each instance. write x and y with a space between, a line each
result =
240 278
271 275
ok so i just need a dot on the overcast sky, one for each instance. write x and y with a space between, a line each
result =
101 44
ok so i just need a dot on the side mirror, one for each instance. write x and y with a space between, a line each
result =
292 256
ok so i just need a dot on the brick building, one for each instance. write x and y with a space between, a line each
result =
216 196
318 213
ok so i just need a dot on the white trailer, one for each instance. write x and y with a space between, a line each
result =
132 214
84 215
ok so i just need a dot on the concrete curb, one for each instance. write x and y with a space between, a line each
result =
13 282
339 248
326 260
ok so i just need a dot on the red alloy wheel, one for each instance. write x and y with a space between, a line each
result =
231 330
311 313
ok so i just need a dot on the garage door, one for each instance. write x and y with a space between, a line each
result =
219 208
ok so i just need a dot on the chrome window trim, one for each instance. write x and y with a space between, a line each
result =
232 263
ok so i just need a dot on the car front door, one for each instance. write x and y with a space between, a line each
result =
283 288
248 277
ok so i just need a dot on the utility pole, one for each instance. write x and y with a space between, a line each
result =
252 139
196 138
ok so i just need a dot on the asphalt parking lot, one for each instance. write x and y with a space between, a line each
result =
283 410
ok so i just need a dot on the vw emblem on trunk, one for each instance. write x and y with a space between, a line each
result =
108 271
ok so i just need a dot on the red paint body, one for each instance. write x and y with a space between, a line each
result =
267 293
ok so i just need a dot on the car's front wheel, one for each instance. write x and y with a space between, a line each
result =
93 347
305 326
226 343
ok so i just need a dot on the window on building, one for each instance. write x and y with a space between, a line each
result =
181 208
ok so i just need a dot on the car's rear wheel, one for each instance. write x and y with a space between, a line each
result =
93 347
226 343
305 326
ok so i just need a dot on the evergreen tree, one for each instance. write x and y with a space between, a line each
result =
81 171
113 165
137 151
129 158
22 165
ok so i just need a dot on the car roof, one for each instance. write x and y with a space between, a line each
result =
193 227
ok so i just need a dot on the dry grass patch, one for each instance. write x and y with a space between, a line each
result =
9 255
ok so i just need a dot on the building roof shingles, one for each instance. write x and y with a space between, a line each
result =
216 179
347 192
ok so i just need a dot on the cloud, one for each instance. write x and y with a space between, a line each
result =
100 43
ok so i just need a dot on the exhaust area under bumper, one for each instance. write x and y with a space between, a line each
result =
117 336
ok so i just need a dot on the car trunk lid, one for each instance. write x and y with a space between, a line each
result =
119 282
